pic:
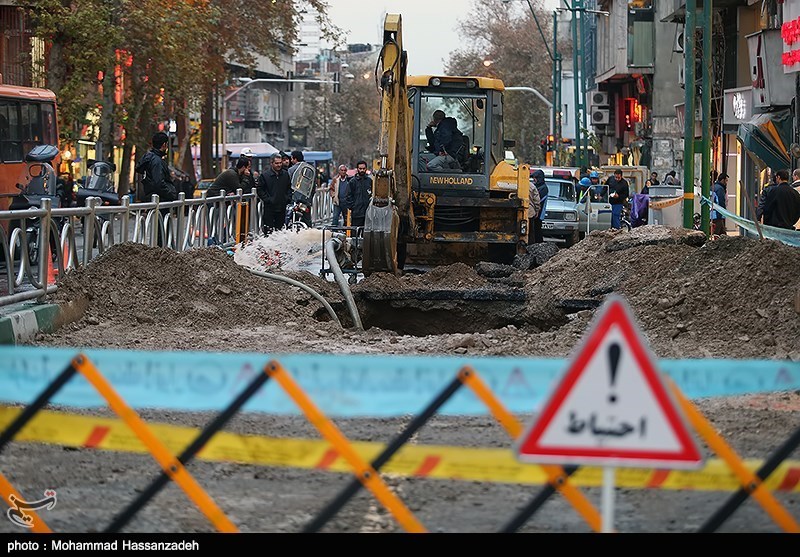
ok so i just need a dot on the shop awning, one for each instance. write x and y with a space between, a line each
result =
767 137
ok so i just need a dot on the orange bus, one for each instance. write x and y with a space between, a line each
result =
27 119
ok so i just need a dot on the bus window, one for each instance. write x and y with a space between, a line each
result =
31 126
49 136
10 144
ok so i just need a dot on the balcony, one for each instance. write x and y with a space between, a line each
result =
626 40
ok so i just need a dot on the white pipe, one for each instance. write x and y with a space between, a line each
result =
302 286
330 254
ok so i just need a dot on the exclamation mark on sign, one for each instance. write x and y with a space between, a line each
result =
613 359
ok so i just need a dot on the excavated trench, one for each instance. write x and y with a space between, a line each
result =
442 311
436 312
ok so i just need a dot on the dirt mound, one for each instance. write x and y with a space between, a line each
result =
136 284
735 293
451 277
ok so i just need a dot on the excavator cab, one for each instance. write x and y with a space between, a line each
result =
443 192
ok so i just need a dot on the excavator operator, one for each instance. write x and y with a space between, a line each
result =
446 143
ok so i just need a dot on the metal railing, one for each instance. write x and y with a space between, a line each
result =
64 238
79 234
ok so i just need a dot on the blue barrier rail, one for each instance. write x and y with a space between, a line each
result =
342 385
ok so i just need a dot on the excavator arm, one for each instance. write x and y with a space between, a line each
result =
390 210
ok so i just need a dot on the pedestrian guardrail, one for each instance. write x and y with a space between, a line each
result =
40 244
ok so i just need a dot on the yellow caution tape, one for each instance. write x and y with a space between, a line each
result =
429 461
665 203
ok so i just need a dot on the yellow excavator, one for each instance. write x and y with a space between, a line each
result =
436 207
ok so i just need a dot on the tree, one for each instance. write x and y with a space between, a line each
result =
356 115
508 41
135 63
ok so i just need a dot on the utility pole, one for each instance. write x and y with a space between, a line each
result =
688 114
556 88
706 100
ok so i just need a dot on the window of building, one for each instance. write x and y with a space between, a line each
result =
641 33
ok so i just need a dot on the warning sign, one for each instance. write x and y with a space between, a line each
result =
611 407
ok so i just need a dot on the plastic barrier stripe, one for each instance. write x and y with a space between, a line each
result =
761 494
328 458
657 479
159 452
557 477
427 466
791 480
493 465
365 473
7 490
96 437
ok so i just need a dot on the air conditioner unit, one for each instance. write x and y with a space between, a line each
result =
600 116
599 98
678 42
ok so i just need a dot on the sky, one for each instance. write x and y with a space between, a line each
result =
429 27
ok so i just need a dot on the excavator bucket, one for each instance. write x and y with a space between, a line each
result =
380 239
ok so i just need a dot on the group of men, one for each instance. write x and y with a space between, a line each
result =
350 195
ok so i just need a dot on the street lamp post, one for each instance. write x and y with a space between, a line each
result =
247 82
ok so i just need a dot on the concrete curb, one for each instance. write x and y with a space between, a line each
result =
23 325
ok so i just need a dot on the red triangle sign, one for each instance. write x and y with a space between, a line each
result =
611 407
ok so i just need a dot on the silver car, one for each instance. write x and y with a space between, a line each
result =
560 223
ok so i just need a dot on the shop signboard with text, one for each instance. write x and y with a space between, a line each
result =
790 35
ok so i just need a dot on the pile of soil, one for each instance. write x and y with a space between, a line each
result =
457 276
730 298
135 285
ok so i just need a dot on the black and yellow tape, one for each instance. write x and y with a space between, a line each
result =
429 461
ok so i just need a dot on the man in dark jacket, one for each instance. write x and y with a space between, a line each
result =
541 188
782 203
231 179
274 190
359 192
719 195
618 193
446 143
156 177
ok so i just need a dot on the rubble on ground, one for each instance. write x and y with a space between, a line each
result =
732 297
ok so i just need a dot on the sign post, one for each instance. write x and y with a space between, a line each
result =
611 408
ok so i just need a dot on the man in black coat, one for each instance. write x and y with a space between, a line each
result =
359 192
154 171
274 190
782 203
618 193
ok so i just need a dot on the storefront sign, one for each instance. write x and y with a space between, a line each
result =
790 34
738 106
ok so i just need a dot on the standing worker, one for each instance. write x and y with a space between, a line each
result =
618 193
359 193
156 177
274 190
541 188
338 193
719 195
